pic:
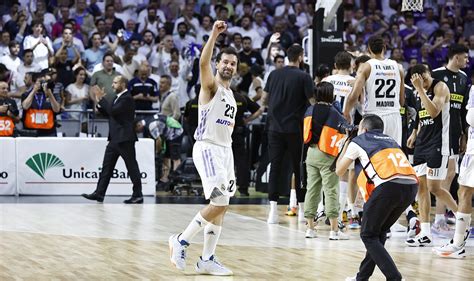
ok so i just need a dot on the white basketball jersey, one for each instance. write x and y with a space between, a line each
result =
382 88
217 118
342 87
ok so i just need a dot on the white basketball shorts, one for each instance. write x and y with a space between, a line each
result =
466 171
392 126
215 165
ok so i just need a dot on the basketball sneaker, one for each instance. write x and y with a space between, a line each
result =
212 267
320 216
451 251
310 233
354 223
442 229
420 240
340 225
413 227
178 251
339 235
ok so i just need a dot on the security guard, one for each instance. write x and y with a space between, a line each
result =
388 184
244 104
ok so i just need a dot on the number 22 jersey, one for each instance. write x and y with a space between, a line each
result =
217 118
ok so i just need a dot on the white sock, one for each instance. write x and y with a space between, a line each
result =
342 196
410 208
212 233
439 218
301 207
352 209
273 206
463 221
425 228
293 200
196 225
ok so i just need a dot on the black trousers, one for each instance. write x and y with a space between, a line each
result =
387 202
241 161
126 150
278 145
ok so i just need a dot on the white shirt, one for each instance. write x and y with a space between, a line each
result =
256 38
76 93
11 63
40 53
470 121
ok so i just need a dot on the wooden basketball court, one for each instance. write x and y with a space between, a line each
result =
123 242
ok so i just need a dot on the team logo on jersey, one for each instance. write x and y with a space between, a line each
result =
445 79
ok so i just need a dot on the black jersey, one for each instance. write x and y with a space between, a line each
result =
244 104
407 124
458 85
433 133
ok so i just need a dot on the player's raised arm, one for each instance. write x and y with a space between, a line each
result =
208 83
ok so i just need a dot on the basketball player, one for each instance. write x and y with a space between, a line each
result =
456 247
388 184
431 147
212 155
342 82
458 84
382 80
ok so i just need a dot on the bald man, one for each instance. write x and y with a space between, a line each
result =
120 110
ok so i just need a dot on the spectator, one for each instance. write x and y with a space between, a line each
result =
179 82
48 18
278 62
247 31
284 10
237 42
183 39
93 55
256 87
64 65
28 64
428 25
9 114
146 49
410 29
129 65
169 100
83 18
57 86
72 45
4 42
12 61
259 24
104 78
439 50
151 21
40 106
250 57
115 22
188 17
59 25
77 95
161 56
204 30
40 44
143 89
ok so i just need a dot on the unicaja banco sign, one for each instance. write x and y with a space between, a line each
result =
42 162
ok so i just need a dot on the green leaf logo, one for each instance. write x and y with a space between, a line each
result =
41 162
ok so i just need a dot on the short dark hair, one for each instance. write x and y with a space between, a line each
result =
456 49
294 51
227 51
246 38
79 69
376 44
167 77
372 122
25 51
278 57
13 44
324 92
343 60
322 71
236 34
182 23
361 59
108 54
419 69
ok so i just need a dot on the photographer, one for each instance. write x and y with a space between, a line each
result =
388 184
9 114
40 106
320 132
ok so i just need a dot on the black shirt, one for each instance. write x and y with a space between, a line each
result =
407 126
11 106
65 73
250 59
244 104
288 91
458 85
147 88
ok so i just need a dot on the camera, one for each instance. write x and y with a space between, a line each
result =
351 130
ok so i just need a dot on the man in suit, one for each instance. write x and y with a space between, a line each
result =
121 113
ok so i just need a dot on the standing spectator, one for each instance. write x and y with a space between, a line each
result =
237 42
64 65
12 61
93 55
116 23
103 78
151 21
28 64
439 50
250 57
65 16
77 94
247 31
4 42
40 44
183 39
204 29
188 17
83 18
284 10
428 25
410 29
278 62
9 114
146 49
288 91
169 100
143 89
179 82
67 42
129 65
161 57
259 24
40 106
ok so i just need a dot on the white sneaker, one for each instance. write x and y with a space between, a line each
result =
421 240
212 267
310 233
442 229
451 251
273 217
177 252
301 217
413 227
339 235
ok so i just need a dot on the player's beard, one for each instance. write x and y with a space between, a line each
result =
225 75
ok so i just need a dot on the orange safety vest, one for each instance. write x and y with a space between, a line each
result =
6 126
39 119
329 136
385 158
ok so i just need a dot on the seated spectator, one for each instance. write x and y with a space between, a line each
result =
77 94
143 89
12 61
40 106
40 44
439 50
56 85
9 114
